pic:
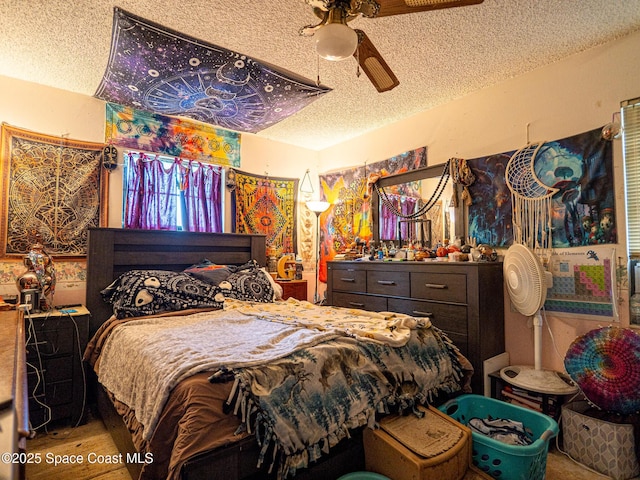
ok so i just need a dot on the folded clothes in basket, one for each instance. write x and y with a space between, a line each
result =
503 430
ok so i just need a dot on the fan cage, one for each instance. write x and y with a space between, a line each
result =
525 279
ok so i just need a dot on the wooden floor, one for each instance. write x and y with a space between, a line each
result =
92 438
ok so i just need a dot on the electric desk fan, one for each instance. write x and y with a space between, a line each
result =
527 283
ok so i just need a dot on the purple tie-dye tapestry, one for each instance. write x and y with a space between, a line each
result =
162 71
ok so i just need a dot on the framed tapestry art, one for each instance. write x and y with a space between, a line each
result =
52 186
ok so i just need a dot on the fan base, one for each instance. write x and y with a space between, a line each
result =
541 381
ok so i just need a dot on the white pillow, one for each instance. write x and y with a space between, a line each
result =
277 289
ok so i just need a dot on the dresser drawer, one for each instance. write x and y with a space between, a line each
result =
365 302
59 393
444 287
349 279
58 369
50 338
388 283
452 318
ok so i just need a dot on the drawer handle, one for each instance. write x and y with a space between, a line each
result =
356 304
386 282
435 285
418 313
350 280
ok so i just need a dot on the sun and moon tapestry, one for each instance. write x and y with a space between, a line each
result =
162 71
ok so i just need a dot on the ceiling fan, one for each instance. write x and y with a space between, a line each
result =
335 40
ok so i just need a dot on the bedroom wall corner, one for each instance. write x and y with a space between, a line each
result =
570 96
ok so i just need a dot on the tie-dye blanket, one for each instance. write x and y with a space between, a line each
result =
302 405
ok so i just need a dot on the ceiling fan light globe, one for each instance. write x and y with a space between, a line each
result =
336 41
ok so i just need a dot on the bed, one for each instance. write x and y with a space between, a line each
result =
287 400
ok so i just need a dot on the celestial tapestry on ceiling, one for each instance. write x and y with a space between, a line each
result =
52 186
163 71
266 205
348 220
187 139
579 167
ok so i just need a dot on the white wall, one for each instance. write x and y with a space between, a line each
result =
568 97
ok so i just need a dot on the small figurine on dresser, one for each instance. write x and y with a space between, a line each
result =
487 254
37 285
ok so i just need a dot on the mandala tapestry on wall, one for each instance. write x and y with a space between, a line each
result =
349 217
266 205
52 186
163 71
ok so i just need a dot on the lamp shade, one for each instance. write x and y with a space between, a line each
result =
336 41
318 206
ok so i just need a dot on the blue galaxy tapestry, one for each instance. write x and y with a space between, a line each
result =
162 71
579 167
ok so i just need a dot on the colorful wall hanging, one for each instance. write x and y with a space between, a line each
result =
490 212
583 209
349 217
163 71
140 130
52 186
266 205
581 168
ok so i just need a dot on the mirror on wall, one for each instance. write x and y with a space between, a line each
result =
424 197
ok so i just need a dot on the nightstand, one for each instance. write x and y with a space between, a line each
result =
293 289
55 344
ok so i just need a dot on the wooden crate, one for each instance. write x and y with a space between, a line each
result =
389 456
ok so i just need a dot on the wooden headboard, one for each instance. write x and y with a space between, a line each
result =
114 251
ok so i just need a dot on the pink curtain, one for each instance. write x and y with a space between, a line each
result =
202 197
152 194
155 191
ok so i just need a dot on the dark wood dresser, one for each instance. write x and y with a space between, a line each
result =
55 344
464 299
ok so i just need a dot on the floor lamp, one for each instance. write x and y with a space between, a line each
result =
317 207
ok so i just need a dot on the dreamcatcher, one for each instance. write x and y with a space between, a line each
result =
530 199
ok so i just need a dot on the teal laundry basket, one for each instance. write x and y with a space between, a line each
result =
501 460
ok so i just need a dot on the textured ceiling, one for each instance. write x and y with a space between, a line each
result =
438 56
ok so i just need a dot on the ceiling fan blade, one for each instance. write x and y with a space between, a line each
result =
374 65
399 7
